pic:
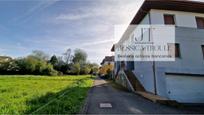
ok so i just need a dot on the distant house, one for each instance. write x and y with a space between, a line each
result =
106 65
183 79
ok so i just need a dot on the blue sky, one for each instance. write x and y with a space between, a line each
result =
56 25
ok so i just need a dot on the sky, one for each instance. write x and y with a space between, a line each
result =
56 25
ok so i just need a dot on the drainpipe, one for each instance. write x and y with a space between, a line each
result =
153 65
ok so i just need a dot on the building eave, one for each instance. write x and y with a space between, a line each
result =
113 48
174 5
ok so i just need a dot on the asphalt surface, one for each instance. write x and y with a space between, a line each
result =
122 102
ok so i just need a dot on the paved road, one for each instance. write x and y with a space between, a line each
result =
123 102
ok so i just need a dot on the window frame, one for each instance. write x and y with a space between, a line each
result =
202 49
174 19
177 49
202 18
177 45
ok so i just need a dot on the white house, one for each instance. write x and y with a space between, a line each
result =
106 65
183 79
108 60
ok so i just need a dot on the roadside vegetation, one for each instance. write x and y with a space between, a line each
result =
40 63
43 84
30 94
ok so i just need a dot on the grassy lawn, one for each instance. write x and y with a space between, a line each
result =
43 95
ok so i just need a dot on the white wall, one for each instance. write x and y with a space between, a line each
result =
182 19
144 73
185 89
190 39
143 70
145 20
191 62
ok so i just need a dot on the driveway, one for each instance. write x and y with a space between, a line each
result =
104 99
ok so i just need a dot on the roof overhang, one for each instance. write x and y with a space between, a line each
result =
175 5
113 48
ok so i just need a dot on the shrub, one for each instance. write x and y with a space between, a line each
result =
75 69
109 74
28 65
85 69
49 71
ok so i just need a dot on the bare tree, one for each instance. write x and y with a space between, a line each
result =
67 56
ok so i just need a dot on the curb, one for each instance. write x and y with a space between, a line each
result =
162 101
84 109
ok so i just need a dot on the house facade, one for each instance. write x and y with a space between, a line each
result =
183 79
106 65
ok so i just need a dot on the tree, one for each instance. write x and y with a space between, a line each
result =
60 65
54 60
5 67
40 55
85 69
109 74
34 65
80 56
49 70
75 68
30 64
94 68
67 56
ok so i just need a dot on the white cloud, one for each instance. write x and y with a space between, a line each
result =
41 5
120 11
98 21
88 27
73 16
93 43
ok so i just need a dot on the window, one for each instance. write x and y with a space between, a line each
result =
200 22
202 50
177 51
169 19
174 50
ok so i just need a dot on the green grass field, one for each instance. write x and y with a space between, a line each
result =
42 94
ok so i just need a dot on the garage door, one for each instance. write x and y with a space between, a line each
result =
185 88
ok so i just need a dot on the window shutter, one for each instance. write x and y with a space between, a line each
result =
177 50
174 50
169 19
202 50
200 23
